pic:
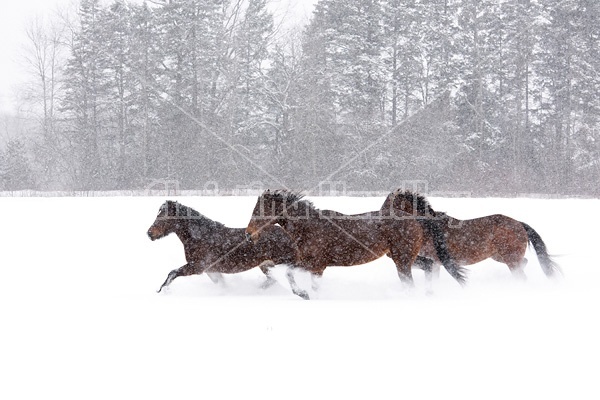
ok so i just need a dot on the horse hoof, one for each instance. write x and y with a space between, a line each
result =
267 284
304 295
163 289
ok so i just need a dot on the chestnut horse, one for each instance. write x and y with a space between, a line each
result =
213 248
329 238
470 241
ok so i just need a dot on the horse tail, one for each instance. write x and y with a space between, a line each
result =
549 266
435 231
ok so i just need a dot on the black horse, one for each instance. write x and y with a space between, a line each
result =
212 248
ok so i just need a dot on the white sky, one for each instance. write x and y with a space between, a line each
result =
16 14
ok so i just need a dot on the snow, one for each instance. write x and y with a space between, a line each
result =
81 318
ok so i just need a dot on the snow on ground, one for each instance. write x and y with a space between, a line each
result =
81 318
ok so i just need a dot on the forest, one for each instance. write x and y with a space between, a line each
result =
493 97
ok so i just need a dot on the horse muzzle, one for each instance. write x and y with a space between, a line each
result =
151 234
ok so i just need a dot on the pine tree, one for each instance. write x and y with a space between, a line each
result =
346 76
15 172
145 72
116 22
191 43
403 38
586 102
480 36
85 83
555 62
250 128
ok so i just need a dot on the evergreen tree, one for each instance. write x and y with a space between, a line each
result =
116 23
191 36
403 45
250 125
85 84
146 159
15 172
485 142
586 87
281 96
198 90
555 62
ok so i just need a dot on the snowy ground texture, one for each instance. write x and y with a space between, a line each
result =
81 318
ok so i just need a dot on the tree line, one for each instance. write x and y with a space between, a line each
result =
492 97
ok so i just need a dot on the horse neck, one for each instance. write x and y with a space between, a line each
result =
387 203
197 229
303 209
297 215
448 220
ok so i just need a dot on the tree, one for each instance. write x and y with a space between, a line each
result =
192 31
145 159
15 172
250 55
44 57
85 84
403 36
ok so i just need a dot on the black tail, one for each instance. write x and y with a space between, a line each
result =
434 229
549 266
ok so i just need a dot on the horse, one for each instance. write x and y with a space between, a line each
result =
213 248
329 238
470 241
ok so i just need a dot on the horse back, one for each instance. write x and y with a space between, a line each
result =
336 239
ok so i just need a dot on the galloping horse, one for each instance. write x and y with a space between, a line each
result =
329 238
470 241
213 248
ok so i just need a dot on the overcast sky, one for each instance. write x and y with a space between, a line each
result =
16 14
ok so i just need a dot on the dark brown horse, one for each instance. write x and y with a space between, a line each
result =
213 248
329 238
470 241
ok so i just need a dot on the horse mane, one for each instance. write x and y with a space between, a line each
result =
289 197
423 205
194 216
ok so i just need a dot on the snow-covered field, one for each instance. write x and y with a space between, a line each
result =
80 317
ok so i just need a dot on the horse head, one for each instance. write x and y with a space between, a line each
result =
272 207
166 221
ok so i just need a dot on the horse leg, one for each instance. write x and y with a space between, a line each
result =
403 263
265 267
434 274
216 277
187 269
295 289
427 265
518 269
316 277
514 264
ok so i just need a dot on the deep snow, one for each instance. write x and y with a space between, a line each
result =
81 318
